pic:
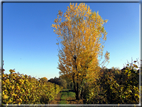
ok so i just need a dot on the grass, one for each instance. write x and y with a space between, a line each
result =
71 94
65 94
62 102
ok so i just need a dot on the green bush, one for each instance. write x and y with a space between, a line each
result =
22 89
116 87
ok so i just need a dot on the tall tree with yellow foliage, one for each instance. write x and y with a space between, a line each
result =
80 31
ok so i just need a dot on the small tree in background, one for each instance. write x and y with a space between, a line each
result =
43 79
59 81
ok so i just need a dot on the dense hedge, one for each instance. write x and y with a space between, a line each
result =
22 89
115 87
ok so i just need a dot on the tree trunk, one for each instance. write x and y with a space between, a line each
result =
74 82
76 88
76 85
77 97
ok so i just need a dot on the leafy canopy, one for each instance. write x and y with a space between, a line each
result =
80 30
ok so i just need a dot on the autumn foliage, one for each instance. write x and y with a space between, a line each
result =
80 30
23 89
116 86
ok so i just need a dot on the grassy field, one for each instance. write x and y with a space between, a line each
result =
66 95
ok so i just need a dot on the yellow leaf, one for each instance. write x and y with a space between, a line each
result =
53 25
137 95
56 20
105 21
5 97
60 13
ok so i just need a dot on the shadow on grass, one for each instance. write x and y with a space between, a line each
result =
68 91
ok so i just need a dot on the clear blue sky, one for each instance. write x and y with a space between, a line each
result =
29 43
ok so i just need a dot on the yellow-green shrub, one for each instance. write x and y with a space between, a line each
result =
22 89
116 86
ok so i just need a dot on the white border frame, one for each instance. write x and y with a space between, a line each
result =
65 1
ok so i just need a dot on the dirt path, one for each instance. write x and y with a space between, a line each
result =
66 96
